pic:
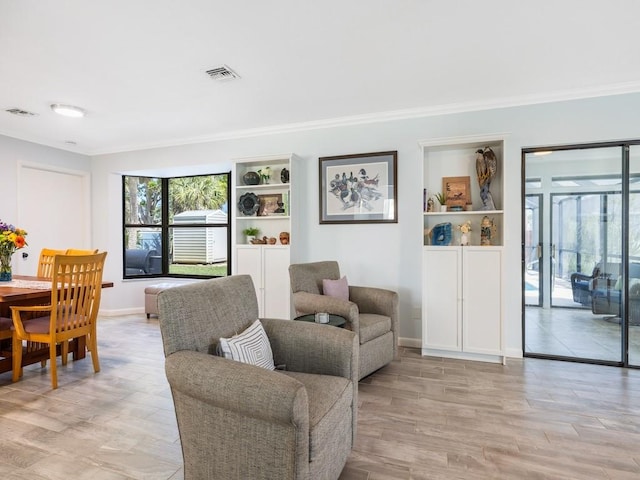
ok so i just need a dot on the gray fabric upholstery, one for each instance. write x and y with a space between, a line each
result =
371 312
239 421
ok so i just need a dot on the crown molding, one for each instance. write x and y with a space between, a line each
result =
376 117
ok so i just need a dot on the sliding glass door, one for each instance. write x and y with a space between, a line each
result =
581 252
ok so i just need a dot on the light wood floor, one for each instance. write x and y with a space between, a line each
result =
419 418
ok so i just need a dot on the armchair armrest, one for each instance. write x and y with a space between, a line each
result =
237 387
312 348
576 277
380 301
306 302
375 300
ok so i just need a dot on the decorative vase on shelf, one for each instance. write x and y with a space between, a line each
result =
251 178
284 175
5 267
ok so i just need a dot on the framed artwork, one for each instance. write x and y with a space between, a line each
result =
269 205
360 188
458 191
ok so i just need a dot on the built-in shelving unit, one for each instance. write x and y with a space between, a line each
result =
462 286
268 206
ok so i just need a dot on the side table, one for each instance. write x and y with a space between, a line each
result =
334 320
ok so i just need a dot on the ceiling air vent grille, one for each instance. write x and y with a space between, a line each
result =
222 74
20 112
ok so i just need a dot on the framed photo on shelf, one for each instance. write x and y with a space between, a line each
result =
270 204
360 188
457 190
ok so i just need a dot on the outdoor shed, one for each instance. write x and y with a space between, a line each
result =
201 245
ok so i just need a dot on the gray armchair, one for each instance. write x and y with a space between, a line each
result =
239 421
370 312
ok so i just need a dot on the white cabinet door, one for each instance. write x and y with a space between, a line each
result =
268 266
482 305
442 298
277 291
462 302
249 262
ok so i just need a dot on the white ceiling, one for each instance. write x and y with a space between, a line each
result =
138 66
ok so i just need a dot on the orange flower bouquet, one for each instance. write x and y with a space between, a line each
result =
11 239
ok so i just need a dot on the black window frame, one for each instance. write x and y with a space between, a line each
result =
165 227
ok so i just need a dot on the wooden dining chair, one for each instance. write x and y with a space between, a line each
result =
5 328
75 251
76 288
45 264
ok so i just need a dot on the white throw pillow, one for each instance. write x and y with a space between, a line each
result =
251 346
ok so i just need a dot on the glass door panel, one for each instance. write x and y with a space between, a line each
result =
581 225
533 251
633 289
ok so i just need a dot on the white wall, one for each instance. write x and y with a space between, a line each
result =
13 153
385 255
382 255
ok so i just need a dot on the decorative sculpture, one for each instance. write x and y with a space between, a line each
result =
465 229
486 168
487 231
430 207
441 234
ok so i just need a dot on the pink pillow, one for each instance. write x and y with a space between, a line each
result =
336 288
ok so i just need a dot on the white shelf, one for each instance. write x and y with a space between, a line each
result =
263 186
264 217
465 212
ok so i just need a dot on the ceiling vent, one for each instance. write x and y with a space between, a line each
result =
222 74
20 112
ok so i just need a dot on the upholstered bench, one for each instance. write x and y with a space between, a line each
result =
151 297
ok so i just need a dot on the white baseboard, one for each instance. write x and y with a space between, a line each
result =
514 353
417 343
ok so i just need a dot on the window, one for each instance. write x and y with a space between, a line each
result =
176 226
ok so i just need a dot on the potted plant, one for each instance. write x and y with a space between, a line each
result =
441 197
250 233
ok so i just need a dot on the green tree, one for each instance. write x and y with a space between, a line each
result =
207 192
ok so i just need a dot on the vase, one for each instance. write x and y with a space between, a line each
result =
5 267
251 178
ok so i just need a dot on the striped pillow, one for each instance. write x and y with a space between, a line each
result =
251 346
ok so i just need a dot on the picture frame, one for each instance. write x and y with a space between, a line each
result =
358 188
269 204
457 190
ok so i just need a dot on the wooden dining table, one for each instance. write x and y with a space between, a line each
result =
28 290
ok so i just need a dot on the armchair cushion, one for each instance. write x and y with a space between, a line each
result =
336 288
373 326
251 346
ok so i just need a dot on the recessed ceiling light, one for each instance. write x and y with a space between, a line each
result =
68 110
